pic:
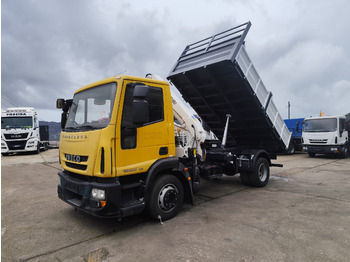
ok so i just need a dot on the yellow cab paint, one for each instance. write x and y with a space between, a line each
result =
102 148
150 138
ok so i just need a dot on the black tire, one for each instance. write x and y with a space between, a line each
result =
261 173
245 178
37 151
311 154
345 153
291 149
166 197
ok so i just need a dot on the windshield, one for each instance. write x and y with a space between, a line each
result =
92 108
320 125
16 122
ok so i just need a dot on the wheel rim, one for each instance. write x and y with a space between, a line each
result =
292 150
262 172
168 198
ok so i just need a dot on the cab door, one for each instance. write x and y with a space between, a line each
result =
343 133
140 145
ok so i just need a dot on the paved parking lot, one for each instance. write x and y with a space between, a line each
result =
303 214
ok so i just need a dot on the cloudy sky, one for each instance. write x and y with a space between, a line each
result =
49 48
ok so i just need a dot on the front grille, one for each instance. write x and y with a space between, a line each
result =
16 145
16 136
76 166
318 141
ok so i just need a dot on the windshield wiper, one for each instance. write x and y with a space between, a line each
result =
70 128
80 128
88 127
85 127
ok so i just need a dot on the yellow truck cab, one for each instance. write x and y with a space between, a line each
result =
118 137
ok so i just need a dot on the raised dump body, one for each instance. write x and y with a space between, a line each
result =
216 77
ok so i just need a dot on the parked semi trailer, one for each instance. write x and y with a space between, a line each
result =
122 152
21 132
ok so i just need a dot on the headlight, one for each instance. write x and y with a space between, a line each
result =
98 193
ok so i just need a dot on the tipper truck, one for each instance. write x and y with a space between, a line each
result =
130 144
21 132
295 126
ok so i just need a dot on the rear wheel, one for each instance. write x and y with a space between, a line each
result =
166 197
259 177
245 178
261 173
291 149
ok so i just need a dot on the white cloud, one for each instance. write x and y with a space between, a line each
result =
51 48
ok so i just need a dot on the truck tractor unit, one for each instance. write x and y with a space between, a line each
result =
326 135
20 131
129 144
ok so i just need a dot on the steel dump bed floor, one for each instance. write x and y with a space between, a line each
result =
216 77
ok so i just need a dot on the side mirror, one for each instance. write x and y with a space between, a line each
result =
64 105
60 103
140 112
140 91
63 120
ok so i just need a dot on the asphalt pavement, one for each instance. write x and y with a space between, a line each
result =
303 214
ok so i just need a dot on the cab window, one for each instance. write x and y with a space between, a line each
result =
156 114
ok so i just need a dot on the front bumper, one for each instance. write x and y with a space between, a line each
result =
324 149
14 146
77 193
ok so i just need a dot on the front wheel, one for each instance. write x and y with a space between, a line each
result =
345 152
37 151
166 197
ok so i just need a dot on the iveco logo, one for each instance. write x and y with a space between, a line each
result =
16 136
72 158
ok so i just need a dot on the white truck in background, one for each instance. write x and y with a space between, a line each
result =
326 135
20 131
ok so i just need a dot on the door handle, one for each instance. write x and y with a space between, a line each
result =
163 151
